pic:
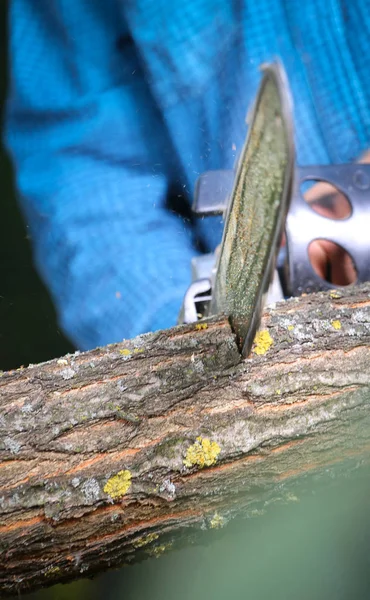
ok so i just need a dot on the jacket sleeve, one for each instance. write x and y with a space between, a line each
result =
91 160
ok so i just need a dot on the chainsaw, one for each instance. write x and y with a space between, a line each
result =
261 201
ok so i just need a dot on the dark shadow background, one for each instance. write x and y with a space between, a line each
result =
28 327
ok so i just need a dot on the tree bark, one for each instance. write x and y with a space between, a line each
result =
119 453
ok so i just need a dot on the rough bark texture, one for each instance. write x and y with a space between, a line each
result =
112 455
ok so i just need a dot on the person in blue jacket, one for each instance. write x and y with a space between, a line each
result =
114 105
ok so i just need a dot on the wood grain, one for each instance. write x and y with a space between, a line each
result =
129 417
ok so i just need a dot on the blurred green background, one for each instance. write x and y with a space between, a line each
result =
315 547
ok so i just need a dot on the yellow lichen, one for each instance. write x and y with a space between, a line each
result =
125 352
290 327
217 521
50 571
118 485
336 324
334 294
157 551
200 326
138 350
203 453
262 341
62 361
146 539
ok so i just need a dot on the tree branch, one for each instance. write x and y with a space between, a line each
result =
116 454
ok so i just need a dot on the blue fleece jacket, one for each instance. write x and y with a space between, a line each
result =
114 104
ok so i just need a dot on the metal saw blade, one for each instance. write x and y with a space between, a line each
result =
257 210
